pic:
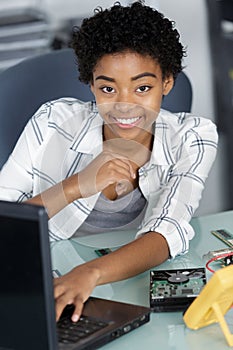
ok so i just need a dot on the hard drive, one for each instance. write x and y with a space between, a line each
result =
174 290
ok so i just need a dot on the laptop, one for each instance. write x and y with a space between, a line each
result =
27 306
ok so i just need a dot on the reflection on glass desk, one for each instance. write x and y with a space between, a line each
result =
165 330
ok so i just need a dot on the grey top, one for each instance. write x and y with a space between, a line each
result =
125 212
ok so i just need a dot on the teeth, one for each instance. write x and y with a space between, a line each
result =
127 121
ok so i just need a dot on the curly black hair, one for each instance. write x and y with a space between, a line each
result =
137 28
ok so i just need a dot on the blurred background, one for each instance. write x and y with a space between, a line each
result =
31 27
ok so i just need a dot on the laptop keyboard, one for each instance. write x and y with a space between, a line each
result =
70 332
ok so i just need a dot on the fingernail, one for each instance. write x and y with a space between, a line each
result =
75 318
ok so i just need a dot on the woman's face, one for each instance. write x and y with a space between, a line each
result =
128 88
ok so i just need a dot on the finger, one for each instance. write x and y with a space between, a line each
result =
127 162
103 172
58 287
129 167
79 303
61 303
121 167
123 187
132 172
109 155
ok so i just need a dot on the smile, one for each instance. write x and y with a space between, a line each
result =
128 120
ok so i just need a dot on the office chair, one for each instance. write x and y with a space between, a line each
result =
27 85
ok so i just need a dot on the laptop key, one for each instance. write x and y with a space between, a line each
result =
70 332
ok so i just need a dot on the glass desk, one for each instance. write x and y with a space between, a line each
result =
165 330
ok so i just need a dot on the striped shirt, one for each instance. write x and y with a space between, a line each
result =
65 135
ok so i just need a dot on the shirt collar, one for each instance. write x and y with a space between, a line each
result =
89 137
162 149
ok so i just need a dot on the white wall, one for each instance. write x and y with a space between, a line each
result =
191 21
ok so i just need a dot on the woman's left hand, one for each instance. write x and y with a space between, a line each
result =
75 287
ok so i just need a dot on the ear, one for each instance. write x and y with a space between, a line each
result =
92 87
168 84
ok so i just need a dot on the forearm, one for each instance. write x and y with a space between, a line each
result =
134 258
102 172
59 196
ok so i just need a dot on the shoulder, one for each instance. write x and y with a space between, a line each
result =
62 109
187 124
63 115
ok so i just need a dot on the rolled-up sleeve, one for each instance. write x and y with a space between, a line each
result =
16 177
181 181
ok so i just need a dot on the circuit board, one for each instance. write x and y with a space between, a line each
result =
174 290
224 235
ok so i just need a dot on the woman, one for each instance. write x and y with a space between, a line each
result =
124 153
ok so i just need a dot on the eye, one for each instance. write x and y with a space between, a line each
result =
107 89
143 88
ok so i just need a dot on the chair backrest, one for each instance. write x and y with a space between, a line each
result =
27 85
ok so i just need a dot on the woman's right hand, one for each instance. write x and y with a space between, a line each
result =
106 169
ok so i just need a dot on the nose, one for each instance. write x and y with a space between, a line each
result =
124 102
124 107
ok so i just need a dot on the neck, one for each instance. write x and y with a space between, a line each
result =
137 150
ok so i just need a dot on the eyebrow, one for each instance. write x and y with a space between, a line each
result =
104 77
142 75
139 76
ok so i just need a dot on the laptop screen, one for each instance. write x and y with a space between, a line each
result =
27 306
23 288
